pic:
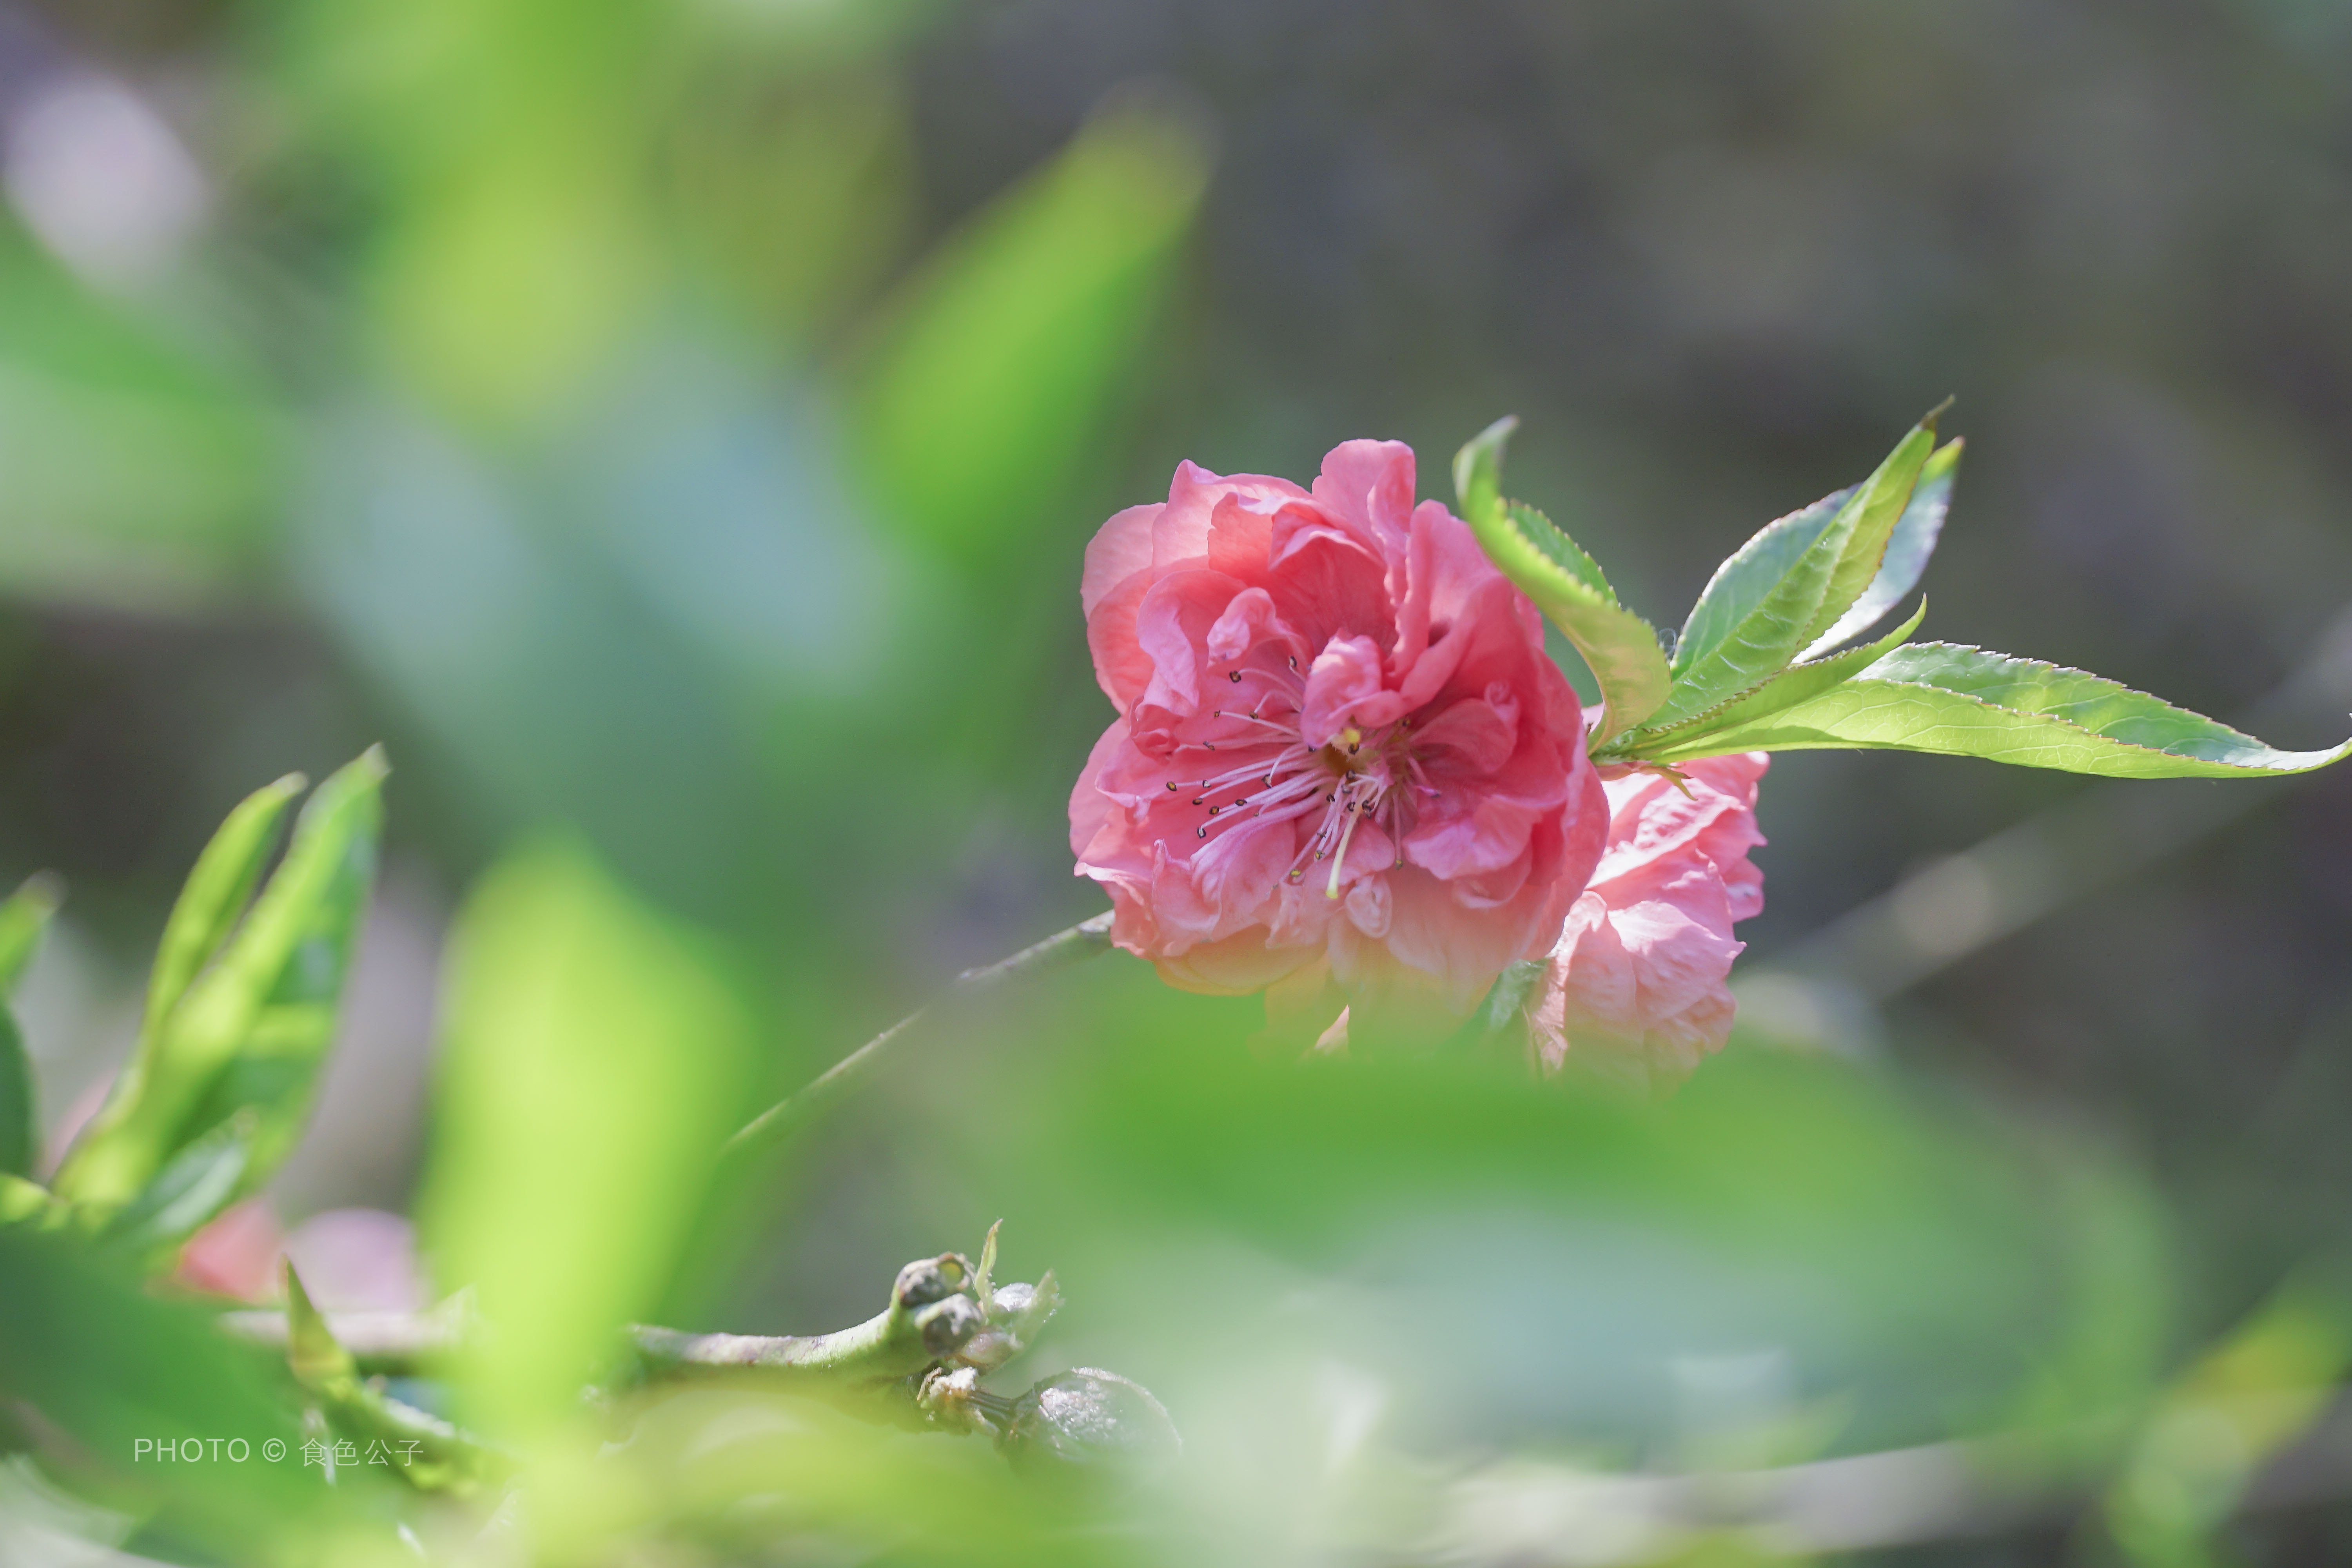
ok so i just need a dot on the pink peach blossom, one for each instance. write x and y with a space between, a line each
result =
1636 986
1339 741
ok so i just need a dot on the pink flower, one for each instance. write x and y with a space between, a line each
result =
1636 986
1341 741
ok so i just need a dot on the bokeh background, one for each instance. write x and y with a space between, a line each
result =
679 420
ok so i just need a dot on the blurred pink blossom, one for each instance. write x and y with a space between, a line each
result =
1636 987
350 1260
1342 752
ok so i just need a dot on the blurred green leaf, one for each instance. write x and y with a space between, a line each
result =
140 473
2237 1406
196 1182
1793 685
1567 584
251 1030
1785 586
1907 550
20 1123
312 1351
211 901
113 1368
1966 702
24 923
594 1055
989 388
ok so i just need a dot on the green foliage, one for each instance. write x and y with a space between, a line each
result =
1787 586
1753 671
24 921
25 918
595 1054
111 1367
2245 1400
142 471
1964 701
988 389
20 1127
244 1011
1907 550
1793 685
1565 584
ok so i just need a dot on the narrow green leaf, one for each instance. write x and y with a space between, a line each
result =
251 1030
1964 701
1564 583
1749 574
24 923
20 1124
1753 628
1797 683
1907 550
214 898
195 1185
317 1358
1876 507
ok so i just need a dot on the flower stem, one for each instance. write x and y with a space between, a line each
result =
775 1125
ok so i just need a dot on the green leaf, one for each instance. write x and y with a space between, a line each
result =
193 1187
596 1054
984 401
252 1029
24 924
1788 585
1796 684
1908 547
20 1125
1564 583
1964 701
214 899
317 1358
1749 574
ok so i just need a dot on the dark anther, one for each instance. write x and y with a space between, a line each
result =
1235 676
1204 831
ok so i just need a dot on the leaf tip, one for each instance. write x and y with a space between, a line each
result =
43 893
1927 423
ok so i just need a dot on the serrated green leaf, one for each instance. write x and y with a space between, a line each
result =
1564 583
251 1030
20 1134
1478 470
1570 555
24 923
1797 683
1907 550
1964 701
1743 638
1749 574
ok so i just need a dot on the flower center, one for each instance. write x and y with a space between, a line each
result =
1357 775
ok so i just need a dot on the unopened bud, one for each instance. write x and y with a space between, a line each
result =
946 1325
1089 1418
930 1280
